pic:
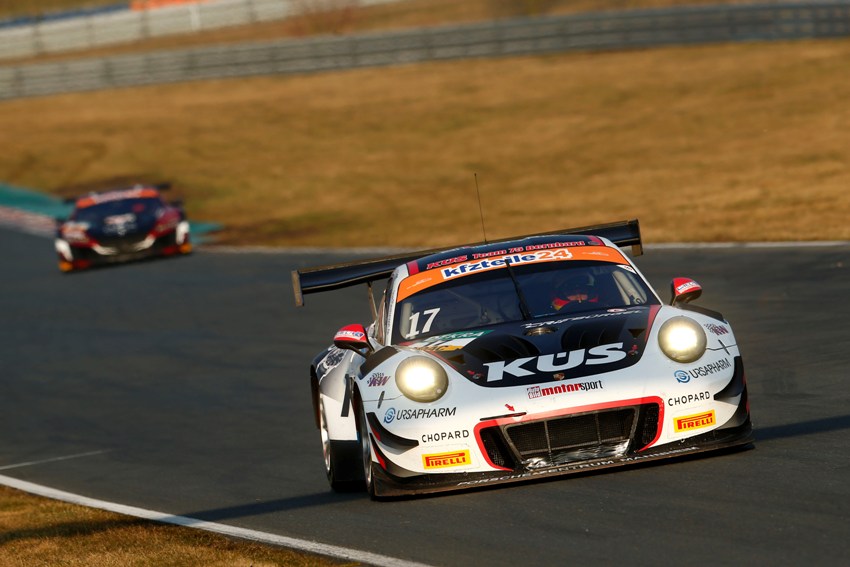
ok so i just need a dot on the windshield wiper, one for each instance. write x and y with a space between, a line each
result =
523 304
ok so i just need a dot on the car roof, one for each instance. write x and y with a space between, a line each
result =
330 277
481 251
137 192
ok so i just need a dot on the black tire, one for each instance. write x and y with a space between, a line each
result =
342 459
364 442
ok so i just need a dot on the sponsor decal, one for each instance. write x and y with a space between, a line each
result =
446 460
377 379
479 255
447 261
349 334
695 421
499 259
577 467
120 219
450 341
687 286
444 436
513 260
603 354
701 371
542 392
528 248
421 413
717 329
609 313
549 245
688 399
331 360
561 469
98 198
510 407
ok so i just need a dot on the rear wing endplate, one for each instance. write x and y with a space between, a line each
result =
327 278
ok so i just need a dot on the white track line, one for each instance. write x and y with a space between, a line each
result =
232 531
52 460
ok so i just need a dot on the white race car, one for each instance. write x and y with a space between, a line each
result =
512 360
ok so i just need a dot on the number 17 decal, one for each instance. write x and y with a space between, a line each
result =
414 322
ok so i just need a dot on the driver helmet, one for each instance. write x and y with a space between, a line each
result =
573 290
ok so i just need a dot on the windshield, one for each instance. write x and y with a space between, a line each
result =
142 210
522 292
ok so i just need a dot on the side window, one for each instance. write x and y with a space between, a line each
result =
632 293
381 321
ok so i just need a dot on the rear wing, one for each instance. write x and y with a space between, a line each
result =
327 278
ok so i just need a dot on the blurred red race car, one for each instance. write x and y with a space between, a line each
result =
121 225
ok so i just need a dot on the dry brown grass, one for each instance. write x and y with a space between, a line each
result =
37 532
714 143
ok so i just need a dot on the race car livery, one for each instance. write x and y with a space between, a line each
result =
535 356
119 226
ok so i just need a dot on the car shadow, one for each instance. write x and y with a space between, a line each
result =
811 427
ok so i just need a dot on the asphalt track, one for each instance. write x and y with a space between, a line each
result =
184 384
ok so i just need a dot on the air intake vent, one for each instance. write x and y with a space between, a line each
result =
491 348
647 429
497 450
589 335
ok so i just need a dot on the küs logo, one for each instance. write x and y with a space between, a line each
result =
603 354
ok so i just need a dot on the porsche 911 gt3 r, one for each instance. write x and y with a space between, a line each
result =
121 225
518 359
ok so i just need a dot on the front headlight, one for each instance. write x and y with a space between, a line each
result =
682 339
421 379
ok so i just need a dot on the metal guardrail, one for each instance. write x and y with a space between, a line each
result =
592 31
101 27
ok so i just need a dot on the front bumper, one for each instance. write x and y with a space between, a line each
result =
132 249
561 444
390 485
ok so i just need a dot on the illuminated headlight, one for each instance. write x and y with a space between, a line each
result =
682 339
421 379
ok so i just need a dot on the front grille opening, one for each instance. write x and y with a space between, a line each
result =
570 438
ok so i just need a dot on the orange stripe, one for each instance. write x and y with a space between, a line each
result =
423 280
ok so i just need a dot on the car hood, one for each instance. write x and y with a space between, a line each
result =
117 226
545 350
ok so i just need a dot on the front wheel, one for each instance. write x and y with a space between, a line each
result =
365 441
342 459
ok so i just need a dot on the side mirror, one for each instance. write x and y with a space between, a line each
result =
684 290
353 337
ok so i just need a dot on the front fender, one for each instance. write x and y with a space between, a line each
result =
334 389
